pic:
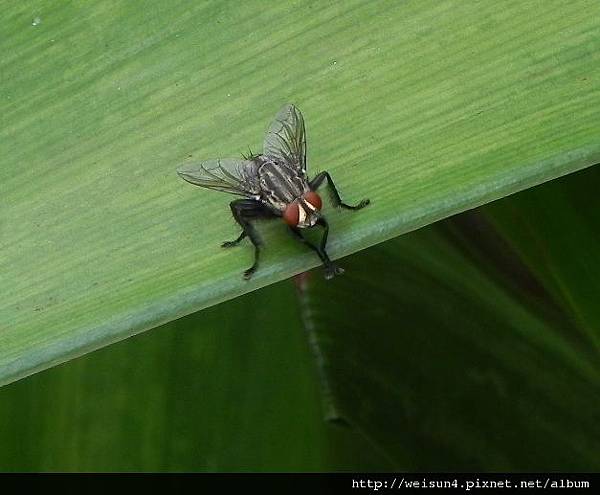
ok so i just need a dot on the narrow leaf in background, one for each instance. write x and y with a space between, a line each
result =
232 388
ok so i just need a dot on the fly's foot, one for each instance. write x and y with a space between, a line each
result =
228 244
249 272
359 206
333 270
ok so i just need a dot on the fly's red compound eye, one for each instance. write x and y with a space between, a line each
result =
291 215
314 199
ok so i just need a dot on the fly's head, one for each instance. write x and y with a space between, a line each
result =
304 212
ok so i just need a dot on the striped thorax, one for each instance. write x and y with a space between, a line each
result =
286 189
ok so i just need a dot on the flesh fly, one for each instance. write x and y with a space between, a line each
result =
273 184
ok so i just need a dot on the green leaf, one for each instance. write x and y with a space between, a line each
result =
460 347
428 108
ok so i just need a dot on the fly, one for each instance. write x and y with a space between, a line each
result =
273 184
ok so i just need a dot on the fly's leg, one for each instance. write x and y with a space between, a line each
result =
228 244
331 269
337 201
245 211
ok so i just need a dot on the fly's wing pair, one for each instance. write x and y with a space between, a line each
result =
230 175
285 143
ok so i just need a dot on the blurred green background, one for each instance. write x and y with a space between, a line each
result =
471 344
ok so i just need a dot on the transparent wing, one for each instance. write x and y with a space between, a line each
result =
230 175
286 138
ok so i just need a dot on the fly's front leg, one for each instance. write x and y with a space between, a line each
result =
245 211
318 180
331 269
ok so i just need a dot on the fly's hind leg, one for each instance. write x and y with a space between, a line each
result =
245 211
337 201
228 244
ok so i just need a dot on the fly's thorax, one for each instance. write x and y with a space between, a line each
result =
280 184
303 212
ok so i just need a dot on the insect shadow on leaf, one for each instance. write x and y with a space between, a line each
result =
273 184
